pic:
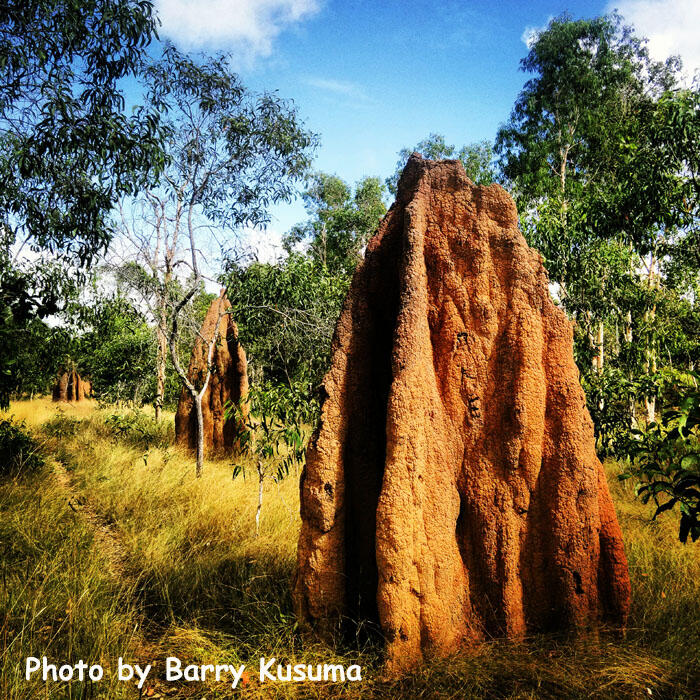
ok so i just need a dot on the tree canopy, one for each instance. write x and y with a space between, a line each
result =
477 159
68 149
341 221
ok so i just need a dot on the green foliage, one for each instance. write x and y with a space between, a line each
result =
19 452
68 149
139 429
601 155
272 434
29 348
564 146
68 146
657 188
477 159
608 396
666 463
286 314
35 353
61 426
116 349
292 405
341 221
231 153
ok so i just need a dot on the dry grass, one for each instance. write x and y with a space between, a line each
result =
202 587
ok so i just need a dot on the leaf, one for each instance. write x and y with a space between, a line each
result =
691 461
237 470
685 526
666 506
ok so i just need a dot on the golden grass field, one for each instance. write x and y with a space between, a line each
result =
115 549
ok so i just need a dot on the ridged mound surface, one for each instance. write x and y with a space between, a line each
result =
228 383
452 491
70 386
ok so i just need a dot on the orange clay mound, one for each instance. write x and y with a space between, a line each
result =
228 382
452 491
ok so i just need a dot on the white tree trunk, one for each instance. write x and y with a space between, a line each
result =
261 477
650 403
200 434
599 343
161 358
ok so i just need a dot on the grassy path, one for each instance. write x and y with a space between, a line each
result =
106 538
115 549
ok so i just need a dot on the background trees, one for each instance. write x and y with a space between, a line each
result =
68 148
477 158
601 152
286 313
603 192
230 155
340 221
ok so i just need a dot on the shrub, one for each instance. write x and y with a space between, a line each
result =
61 426
666 463
19 452
608 397
139 429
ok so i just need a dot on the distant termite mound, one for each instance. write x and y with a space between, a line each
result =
228 383
452 492
70 386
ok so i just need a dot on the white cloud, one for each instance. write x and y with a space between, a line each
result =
339 87
670 25
247 27
530 33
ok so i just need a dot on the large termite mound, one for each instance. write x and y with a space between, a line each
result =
452 491
228 383
70 386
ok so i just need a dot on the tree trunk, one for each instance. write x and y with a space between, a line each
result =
200 434
261 477
650 349
634 424
650 403
599 345
161 358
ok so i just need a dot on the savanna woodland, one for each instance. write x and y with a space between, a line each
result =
135 179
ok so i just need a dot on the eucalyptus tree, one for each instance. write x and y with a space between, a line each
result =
341 221
560 148
231 154
577 152
69 149
286 313
477 159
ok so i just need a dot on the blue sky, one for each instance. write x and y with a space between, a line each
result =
373 77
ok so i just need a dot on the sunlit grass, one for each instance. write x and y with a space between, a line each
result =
200 585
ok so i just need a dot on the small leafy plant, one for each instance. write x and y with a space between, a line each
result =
61 426
665 460
272 437
138 429
19 452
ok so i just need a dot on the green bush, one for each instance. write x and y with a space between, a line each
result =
61 426
608 398
666 463
19 452
139 429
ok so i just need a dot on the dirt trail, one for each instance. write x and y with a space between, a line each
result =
109 545
107 540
